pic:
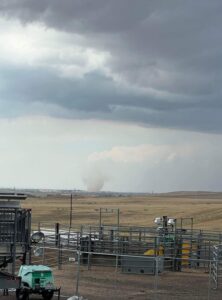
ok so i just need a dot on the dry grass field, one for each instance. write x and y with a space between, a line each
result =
205 208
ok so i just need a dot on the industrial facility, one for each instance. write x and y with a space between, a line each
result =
170 245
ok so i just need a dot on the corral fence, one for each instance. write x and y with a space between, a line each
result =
115 276
193 247
105 262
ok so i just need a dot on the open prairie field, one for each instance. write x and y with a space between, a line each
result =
205 208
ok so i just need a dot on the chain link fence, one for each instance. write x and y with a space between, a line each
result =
114 276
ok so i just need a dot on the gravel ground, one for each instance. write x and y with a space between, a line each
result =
105 284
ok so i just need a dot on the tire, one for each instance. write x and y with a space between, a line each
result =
21 294
46 295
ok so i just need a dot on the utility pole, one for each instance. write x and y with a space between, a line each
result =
70 216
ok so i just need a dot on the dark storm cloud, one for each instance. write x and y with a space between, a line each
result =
171 49
94 92
96 96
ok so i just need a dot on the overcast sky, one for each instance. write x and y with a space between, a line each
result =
117 95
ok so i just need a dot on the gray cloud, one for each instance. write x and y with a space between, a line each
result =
168 52
97 96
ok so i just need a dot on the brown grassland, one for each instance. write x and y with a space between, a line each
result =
205 208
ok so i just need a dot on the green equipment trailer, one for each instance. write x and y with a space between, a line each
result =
36 279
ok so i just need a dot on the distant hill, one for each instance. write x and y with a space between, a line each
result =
82 193
191 194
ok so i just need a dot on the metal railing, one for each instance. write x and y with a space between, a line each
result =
118 276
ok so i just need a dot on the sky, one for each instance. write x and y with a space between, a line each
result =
117 95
